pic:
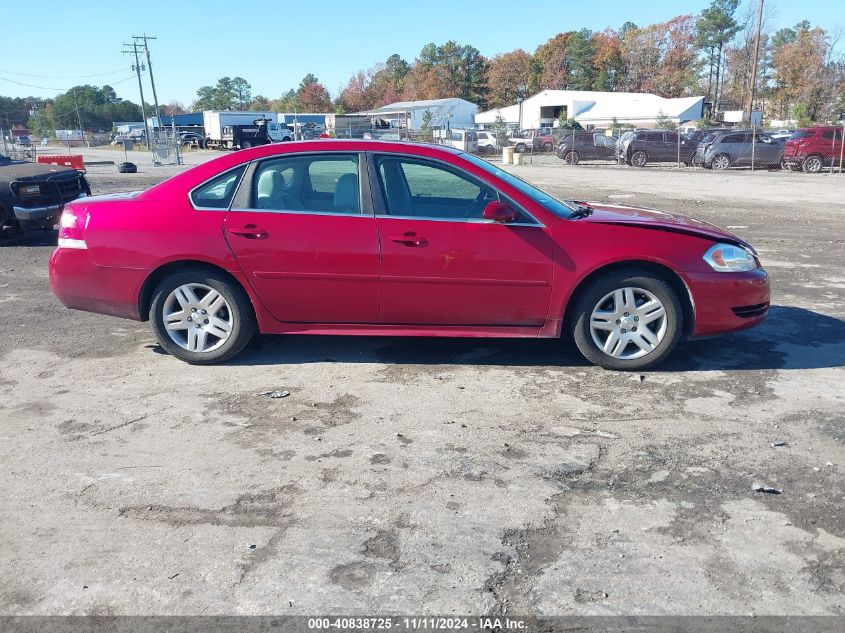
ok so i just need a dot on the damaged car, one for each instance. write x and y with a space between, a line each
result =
32 196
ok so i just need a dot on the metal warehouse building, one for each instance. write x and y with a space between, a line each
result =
451 113
598 109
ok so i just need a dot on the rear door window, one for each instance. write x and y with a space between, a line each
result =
732 138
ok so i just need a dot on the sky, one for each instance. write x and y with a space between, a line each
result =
274 44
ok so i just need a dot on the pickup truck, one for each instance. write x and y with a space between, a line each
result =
32 195
533 140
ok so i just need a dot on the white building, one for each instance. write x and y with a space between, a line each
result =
452 113
597 109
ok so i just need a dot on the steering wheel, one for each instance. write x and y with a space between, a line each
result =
477 206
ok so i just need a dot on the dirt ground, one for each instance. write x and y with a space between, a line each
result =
438 476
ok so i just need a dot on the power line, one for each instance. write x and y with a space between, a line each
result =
21 83
111 72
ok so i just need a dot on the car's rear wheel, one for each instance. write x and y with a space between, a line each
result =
201 317
548 147
246 145
813 164
628 320
490 149
722 161
639 159
571 158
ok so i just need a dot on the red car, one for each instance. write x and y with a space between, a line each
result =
380 237
813 148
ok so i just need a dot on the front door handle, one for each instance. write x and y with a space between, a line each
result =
249 231
409 239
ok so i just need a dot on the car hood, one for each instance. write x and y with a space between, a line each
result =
23 170
659 221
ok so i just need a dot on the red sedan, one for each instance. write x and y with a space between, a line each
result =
375 237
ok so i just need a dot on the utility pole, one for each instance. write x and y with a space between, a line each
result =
145 37
137 68
756 56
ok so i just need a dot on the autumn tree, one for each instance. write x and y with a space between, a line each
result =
607 60
802 73
552 62
508 78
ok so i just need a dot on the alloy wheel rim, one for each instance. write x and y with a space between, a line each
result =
814 164
197 318
628 323
721 162
639 159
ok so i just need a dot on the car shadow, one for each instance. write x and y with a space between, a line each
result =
789 338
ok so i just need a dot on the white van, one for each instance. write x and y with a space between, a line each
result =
464 140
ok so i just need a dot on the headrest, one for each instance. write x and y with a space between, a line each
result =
270 183
346 193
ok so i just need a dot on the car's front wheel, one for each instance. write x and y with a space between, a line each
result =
571 158
201 317
627 320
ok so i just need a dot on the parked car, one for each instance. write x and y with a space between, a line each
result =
586 146
737 149
696 138
487 142
376 237
32 195
654 146
812 149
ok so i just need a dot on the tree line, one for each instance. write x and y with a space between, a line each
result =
801 74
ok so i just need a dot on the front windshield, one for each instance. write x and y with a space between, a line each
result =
555 205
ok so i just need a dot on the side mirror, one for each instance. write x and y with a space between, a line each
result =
499 212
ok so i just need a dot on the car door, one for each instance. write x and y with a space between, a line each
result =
442 264
767 151
306 238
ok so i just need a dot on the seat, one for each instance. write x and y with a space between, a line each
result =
398 198
346 197
272 193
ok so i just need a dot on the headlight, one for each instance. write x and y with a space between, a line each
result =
728 258
29 190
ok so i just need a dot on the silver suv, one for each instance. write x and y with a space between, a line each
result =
736 149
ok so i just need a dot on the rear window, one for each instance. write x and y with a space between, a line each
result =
801 134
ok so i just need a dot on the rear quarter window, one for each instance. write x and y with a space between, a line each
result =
801 134
218 192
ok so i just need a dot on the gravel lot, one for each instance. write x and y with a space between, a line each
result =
432 475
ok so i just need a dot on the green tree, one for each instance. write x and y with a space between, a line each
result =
716 28
665 122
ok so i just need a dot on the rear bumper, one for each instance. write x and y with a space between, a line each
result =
727 302
38 214
82 285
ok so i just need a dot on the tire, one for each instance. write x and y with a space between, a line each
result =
235 313
127 168
548 147
246 145
813 164
520 148
571 158
721 161
639 159
489 149
665 330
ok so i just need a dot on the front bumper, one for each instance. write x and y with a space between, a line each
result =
728 302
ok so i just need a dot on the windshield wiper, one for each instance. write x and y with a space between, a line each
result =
582 209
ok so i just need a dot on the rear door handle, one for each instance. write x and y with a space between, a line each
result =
249 231
409 239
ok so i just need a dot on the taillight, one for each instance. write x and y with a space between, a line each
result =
71 228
